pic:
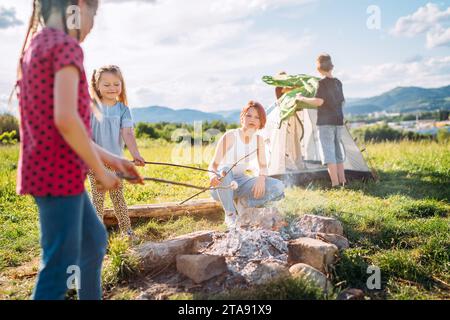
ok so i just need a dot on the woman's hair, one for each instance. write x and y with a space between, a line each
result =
42 10
259 108
95 79
324 62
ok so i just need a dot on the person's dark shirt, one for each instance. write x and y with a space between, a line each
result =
330 113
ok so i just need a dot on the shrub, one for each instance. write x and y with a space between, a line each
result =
8 123
8 138
143 130
167 131
382 132
443 135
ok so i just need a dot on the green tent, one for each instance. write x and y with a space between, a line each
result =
293 150
302 83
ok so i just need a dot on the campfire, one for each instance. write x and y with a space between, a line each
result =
262 247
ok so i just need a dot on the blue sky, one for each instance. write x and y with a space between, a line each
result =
211 54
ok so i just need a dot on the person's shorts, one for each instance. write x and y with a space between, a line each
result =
331 147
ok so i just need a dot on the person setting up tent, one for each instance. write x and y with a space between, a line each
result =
329 99
238 151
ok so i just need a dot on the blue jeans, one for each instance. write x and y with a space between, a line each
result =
74 242
274 191
331 146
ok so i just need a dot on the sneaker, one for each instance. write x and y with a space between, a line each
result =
241 204
230 219
132 237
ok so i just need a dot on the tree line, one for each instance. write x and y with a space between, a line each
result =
175 132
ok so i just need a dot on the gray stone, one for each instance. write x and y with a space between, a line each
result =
302 270
260 218
314 223
201 267
157 255
313 252
264 271
336 239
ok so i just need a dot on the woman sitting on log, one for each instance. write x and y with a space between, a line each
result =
239 151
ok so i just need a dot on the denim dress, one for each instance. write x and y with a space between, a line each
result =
106 132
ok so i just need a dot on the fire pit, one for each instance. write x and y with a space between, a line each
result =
211 262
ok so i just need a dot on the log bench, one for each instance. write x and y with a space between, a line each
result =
166 210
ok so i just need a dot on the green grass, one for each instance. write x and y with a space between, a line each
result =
401 223
19 234
277 289
120 264
154 230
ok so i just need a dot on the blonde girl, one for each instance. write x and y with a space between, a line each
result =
112 129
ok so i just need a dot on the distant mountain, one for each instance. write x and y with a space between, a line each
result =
402 99
160 114
231 116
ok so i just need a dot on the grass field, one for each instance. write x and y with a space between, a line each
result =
400 224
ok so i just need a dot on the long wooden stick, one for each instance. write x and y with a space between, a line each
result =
220 178
188 185
178 165
202 189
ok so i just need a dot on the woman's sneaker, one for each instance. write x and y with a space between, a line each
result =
230 219
132 237
241 204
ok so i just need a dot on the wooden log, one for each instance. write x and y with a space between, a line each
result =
167 210
154 256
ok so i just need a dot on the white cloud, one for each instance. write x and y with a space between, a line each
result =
429 20
427 72
438 36
192 54
8 18
179 53
211 54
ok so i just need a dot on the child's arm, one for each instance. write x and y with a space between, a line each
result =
317 102
118 164
130 141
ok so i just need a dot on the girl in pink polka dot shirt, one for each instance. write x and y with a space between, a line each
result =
57 150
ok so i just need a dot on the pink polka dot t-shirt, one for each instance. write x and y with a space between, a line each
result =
47 164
